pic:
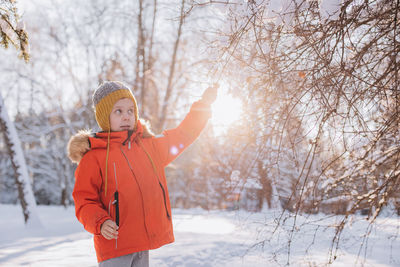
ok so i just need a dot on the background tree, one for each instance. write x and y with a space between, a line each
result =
11 31
321 73
73 51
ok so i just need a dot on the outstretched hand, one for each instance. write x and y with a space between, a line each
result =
210 94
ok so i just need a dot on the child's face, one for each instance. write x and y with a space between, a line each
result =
122 115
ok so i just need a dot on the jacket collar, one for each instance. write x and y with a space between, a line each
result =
100 139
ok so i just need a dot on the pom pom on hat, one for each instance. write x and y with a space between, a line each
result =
104 99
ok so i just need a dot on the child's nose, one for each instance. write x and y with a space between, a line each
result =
125 116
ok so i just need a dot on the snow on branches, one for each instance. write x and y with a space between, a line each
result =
12 29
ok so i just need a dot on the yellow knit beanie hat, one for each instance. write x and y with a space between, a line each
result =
104 99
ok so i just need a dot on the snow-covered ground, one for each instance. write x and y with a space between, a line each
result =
203 238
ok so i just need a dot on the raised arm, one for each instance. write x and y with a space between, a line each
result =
172 142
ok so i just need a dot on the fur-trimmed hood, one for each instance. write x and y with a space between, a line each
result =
79 143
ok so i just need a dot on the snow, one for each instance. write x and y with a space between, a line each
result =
3 25
330 9
274 8
235 176
282 11
207 238
20 26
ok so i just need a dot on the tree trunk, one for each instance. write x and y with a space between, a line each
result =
168 92
140 60
150 86
13 144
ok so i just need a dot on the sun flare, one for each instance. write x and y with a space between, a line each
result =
225 111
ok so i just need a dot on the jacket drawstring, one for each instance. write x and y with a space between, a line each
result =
108 150
116 203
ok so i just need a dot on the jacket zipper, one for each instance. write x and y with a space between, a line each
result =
159 182
165 199
116 202
130 167
158 178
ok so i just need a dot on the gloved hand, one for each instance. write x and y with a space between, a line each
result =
210 94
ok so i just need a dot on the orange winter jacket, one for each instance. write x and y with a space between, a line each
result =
136 170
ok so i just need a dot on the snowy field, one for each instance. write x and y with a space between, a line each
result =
217 238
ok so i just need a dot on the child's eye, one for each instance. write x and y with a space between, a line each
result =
130 111
118 111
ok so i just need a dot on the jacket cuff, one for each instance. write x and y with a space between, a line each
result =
100 222
202 107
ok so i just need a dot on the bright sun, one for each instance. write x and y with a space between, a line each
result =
225 110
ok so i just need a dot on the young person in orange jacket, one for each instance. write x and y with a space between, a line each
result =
120 192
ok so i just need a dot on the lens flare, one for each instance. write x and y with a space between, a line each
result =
225 111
